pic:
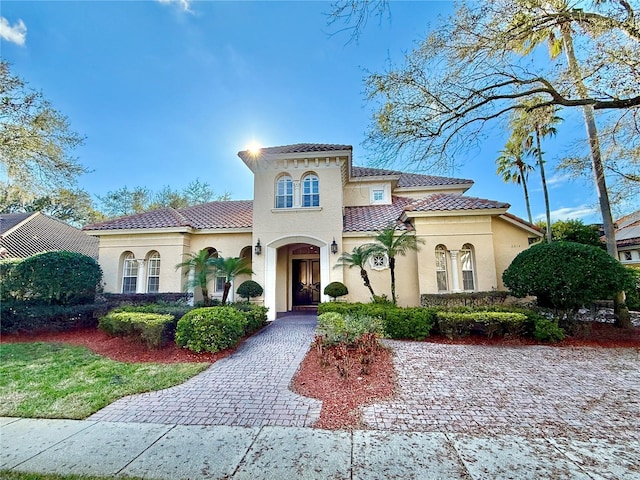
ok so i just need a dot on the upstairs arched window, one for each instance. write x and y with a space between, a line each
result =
311 191
153 272
441 268
467 265
129 273
284 192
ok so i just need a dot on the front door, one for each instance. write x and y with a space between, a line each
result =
306 282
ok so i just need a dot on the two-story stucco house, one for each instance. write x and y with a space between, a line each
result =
310 205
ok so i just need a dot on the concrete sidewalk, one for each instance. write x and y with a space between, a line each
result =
160 451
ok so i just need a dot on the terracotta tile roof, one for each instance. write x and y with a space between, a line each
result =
43 234
375 217
408 179
228 214
297 148
523 221
449 201
628 242
10 220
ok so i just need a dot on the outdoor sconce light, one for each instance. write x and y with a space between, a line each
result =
258 248
334 247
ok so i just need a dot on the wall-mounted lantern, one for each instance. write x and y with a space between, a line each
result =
334 247
258 248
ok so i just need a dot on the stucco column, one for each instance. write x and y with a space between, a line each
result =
297 194
191 290
324 271
455 280
270 281
140 281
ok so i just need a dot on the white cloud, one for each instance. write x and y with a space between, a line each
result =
185 5
566 213
15 34
557 179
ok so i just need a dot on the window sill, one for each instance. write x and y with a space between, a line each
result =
296 209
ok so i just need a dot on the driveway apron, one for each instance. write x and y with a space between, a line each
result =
248 388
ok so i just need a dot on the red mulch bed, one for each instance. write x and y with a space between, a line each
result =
119 348
342 395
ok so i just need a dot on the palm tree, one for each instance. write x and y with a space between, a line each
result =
513 168
201 263
387 242
534 125
230 268
358 258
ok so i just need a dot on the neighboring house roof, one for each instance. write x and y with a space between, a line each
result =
375 217
223 214
408 179
628 230
449 201
297 148
36 233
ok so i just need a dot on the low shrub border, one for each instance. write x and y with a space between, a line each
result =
461 324
211 329
150 328
464 299
31 317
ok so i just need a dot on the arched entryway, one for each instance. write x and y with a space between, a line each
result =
296 272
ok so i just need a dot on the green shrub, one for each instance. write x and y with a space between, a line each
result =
256 315
11 285
335 290
59 278
175 309
210 329
411 323
546 330
461 324
150 328
31 317
249 289
466 299
335 328
566 275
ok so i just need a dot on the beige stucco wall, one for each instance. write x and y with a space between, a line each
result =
508 240
170 246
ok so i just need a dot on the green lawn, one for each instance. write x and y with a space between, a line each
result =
54 380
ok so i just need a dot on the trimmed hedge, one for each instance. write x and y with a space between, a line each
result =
256 315
335 290
462 324
249 289
211 329
145 298
150 328
30 317
335 328
410 323
463 299
11 285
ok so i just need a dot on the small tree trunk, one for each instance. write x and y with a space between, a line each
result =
526 194
392 268
225 293
205 297
367 283
544 187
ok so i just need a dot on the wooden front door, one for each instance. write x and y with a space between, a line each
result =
306 282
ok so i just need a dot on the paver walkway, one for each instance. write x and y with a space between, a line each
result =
530 391
248 388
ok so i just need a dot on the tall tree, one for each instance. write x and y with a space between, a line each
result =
535 125
389 242
230 268
199 269
358 258
36 141
513 169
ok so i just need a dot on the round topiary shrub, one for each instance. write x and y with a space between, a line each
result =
566 275
210 329
249 289
335 290
59 278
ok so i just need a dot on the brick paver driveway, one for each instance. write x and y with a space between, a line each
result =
532 390
248 388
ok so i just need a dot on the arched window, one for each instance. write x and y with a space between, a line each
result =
311 191
129 273
153 272
467 266
441 268
284 192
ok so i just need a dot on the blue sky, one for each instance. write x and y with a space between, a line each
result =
170 91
